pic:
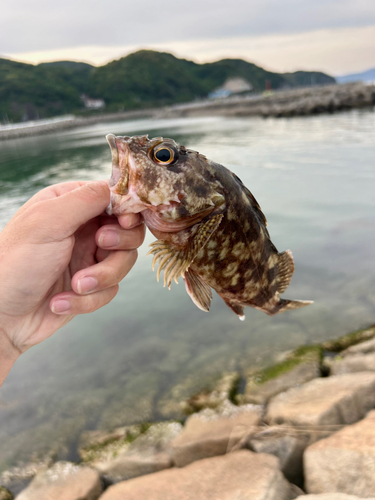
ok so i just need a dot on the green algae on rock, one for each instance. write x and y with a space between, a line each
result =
96 444
5 494
338 345
300 366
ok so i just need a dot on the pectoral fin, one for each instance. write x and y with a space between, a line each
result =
176 261
200 293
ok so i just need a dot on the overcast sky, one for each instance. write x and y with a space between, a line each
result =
336 36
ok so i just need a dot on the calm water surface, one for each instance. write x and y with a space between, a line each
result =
139 356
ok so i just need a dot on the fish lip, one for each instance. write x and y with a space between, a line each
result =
116 171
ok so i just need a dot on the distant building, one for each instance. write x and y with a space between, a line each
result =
92 103
231 86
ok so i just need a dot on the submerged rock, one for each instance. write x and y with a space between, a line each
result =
223 390
99 446
211 433
64 481
343 462
240 475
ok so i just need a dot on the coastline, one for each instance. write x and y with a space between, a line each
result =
284 103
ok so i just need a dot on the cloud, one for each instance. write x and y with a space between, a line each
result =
46 24
336 51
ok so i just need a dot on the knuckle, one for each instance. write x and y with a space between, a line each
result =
98 188
138 237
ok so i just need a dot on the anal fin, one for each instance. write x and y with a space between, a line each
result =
286 270
200 293
236 308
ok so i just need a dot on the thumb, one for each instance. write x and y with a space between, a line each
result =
63 215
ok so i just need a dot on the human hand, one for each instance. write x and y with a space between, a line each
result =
60 256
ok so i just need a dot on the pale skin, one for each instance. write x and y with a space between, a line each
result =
60 256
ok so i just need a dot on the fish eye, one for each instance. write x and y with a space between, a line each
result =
164 155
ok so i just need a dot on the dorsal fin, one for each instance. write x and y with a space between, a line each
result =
255 205
286 269
252 199
200 293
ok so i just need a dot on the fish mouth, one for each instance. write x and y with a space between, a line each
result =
119 180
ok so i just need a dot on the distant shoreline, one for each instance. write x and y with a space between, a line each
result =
286 103
75 122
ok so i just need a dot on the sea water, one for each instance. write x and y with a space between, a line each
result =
138 357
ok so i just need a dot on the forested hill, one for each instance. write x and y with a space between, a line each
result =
143 79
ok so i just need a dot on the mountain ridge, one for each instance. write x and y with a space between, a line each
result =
142 79
365 76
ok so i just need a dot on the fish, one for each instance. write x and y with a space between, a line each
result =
210 229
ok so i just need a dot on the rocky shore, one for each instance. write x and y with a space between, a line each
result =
301 428
286 103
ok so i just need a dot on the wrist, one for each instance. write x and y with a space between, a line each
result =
8 355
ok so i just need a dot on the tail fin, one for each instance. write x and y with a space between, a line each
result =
287 305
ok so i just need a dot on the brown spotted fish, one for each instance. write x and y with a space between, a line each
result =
209 227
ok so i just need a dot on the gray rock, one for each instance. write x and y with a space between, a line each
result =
331 496
134 464
343 462
210 433
295 370
149 453
285 443
64 481
324 403
240 475
351 364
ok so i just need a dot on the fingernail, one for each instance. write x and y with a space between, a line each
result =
109 239
87 284
60 306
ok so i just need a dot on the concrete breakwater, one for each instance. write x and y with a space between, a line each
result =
301 428
286 103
